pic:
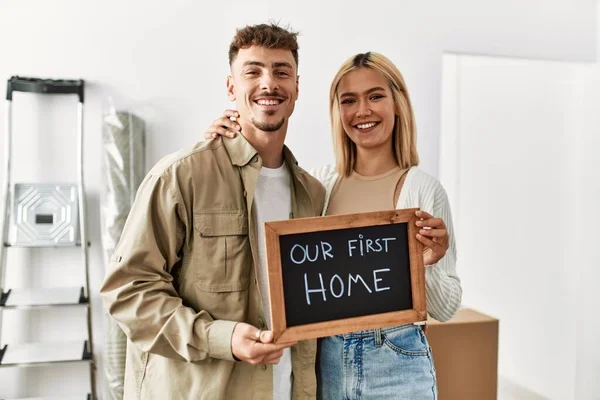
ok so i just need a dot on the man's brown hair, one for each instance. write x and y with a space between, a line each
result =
270 36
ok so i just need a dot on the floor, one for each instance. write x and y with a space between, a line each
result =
508 390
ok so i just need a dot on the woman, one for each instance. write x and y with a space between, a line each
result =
376 169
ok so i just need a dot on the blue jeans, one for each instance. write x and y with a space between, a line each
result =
388 363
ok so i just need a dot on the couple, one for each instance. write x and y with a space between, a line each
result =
187 282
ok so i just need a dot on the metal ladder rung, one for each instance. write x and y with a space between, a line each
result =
26 354
80 397
46 297
45 245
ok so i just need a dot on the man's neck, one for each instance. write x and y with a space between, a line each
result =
272 160
268 144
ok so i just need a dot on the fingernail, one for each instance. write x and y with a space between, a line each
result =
214 135
238 127
419 236
423 231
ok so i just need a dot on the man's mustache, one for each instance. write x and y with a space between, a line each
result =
271 94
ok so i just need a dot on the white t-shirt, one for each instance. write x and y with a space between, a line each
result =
273 202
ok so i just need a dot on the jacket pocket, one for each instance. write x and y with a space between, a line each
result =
221 257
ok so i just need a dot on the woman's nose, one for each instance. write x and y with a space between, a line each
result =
363 109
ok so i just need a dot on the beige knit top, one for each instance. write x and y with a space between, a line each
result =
357 193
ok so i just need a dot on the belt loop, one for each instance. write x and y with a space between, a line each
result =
378 340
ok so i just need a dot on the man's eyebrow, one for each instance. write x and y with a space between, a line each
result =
282 64
256 63
278 64
351 94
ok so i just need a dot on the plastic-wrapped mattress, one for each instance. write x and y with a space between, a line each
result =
124 146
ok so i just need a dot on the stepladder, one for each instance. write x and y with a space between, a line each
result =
51 217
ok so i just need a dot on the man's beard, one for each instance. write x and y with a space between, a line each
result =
268 127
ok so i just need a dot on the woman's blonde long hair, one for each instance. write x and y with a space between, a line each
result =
404 138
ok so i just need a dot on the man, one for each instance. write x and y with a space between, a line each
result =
187 282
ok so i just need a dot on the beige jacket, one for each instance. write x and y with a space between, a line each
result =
184 273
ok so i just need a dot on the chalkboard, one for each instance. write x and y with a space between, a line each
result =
339 274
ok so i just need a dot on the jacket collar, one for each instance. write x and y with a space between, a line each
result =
240 150
289 159
241 153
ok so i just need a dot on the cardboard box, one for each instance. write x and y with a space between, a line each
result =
465 353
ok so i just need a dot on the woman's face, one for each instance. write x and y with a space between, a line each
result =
367 108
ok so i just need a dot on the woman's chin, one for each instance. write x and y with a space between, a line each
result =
368 143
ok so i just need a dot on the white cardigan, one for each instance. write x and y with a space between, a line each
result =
442 286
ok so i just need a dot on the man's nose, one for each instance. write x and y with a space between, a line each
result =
268 83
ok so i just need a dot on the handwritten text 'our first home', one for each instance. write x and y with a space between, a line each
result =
300 254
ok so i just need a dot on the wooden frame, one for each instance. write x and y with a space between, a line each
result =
273 230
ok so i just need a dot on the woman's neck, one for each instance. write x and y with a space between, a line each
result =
372 162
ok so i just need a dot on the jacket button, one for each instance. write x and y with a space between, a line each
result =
264 367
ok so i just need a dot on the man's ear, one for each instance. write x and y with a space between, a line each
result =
230 88
297 86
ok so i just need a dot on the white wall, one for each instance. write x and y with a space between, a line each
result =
587 237
168 60
518 146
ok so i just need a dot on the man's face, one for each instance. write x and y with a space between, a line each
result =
264 86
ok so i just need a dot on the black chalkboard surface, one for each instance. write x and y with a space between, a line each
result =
343 273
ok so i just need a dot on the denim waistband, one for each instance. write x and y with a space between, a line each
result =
372 332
